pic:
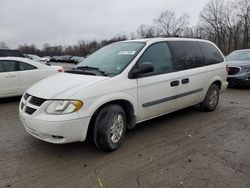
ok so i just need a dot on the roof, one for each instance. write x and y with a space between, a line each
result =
242 50
14 58
152 40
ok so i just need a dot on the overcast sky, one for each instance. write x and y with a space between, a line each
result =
68 21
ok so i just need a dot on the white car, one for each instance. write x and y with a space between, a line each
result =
123 84
38 59
18 74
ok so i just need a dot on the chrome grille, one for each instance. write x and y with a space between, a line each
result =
26 96
36 101
30 104
233 70
29 110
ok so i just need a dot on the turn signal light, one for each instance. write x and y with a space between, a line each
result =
60 70
227 68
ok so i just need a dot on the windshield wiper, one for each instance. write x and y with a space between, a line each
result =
91 69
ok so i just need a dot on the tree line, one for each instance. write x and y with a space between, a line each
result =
83 48
224 22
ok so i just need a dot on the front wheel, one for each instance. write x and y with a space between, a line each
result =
110 127
212 98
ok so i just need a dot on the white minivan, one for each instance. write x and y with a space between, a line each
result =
122 84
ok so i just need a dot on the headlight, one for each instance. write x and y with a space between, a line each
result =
59 107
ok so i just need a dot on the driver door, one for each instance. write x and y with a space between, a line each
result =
157 90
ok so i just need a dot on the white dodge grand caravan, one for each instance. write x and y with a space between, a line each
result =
122 84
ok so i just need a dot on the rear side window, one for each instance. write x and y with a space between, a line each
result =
24 66
210 53
187 55
8 66
159 55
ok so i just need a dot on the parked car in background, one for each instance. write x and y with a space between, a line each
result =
79 60
18 74
53 58
37 58
76 59
46 58
61 59
122 84
239 68
66 58
73 59
10 53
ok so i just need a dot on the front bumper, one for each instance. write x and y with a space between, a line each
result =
57 132
242 79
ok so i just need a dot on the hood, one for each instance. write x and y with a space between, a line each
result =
63 85
237 63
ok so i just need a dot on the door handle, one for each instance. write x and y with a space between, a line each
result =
10 76
185 81
174 83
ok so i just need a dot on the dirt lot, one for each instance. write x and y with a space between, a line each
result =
188 148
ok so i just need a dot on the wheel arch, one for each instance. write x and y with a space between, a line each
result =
217 80
128 106
218 83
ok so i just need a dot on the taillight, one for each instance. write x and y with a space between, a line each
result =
227 68
60 70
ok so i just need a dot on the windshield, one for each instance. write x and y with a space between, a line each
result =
114 58
239 56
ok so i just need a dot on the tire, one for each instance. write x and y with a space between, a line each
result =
110 127
212 98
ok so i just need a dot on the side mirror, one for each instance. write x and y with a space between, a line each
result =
145 67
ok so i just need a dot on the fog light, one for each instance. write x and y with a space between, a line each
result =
57 137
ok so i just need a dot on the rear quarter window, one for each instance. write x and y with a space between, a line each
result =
24 66
210 53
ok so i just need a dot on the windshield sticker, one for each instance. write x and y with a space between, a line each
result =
126 53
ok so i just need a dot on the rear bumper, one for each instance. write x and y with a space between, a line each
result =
57 132
224 86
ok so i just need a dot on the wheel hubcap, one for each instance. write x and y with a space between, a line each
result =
116 129
213 99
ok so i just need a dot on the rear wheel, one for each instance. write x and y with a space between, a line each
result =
212 98
110 127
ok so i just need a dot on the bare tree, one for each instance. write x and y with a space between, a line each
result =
212 21
29 49
168 25
233 25
3 45
243 12
227 23
132 36
47 49
145 31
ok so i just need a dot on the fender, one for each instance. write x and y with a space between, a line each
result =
112 97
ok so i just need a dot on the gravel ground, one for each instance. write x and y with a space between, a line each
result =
188 148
